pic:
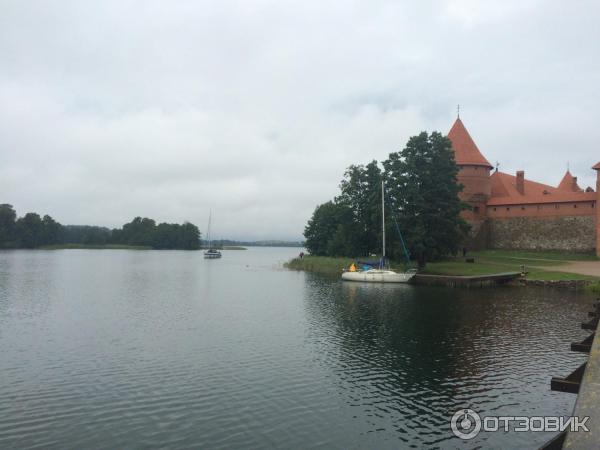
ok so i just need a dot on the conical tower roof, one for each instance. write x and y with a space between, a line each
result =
466 152
569 183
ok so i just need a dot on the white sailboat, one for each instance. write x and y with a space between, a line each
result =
211 253
381 275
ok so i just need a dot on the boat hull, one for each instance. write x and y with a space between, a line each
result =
378 276
212 255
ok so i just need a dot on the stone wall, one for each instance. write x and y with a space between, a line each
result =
479 235
576 233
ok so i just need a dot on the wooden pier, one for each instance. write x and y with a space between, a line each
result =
465 281
585 382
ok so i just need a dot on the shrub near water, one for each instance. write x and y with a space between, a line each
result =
327 264
594 288
322 264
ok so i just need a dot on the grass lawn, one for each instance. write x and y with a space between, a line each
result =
532 258
538 265
321 264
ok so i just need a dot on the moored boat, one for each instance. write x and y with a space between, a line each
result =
378 276
381 274
211 253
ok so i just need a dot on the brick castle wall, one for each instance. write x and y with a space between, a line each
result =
564 209
570 233
476 190
597 212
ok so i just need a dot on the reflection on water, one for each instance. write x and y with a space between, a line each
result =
118 349
407 358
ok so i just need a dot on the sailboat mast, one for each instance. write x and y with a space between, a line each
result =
383 221
209 239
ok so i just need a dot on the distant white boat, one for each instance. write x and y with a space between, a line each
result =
381 275
211 253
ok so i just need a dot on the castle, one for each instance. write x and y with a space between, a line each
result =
511 212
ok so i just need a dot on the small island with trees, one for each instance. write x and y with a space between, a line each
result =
33 231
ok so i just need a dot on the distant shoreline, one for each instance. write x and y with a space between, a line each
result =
136 247
91 247
133 247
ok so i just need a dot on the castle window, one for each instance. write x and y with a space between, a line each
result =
523 208
556 206
574 206
476 209
494 209
508 209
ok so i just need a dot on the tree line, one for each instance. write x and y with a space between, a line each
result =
421 192
32 231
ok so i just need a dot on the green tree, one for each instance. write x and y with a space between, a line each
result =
52 231
190 236
137 232
8 218
30 229
165 236
361 193
328 220
423 189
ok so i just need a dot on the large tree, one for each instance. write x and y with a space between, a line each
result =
144 231
361 193
137 232
423 189
52 231
189 236
30 230
329 220
8 218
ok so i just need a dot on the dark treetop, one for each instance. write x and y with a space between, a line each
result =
421 197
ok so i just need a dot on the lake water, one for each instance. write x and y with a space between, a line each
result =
147 349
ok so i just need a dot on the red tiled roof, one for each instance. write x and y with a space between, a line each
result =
569 183
465 149
504 192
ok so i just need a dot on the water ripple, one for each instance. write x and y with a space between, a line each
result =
123 349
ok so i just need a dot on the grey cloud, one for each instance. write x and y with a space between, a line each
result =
166 109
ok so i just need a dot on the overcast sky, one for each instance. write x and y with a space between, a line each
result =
164 109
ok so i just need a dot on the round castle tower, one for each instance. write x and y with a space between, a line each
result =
473 174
